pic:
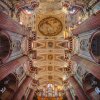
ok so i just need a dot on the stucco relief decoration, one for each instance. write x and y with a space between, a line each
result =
50 44
33 70
27 6
68 69
50 26
50 68
19 72
84 45
50 57
16 45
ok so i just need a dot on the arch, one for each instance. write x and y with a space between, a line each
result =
5 46
94 47
8 87
90 83
23 98
65 97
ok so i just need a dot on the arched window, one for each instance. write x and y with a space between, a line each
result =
95 46
4 47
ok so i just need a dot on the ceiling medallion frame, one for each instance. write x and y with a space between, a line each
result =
50 26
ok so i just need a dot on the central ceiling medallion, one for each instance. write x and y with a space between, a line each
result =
50 57
50 68
50 26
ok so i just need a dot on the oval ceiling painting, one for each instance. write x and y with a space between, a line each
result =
50 26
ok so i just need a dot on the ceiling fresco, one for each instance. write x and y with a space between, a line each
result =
50 26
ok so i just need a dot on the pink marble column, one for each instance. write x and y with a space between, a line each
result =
91 23
77 88
68 94
91 67
31 94
7 23
21 90
8 68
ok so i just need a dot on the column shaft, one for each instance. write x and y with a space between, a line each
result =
21 90
8 68
91 67
31 94
9 24
77 88
68 94
91 23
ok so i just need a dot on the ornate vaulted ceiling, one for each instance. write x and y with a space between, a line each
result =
50 23
50 43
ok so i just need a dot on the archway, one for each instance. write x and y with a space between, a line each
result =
4 46
91 86
23 98
65 97
95 46
8 86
